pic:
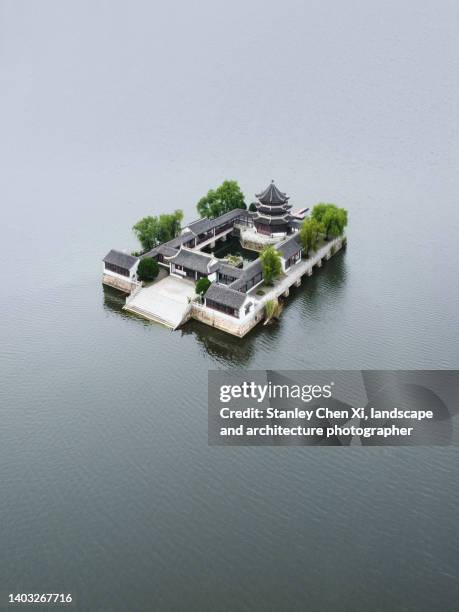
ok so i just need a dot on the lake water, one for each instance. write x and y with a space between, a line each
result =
114 111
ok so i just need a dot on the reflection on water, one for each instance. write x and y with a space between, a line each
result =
226 349
114 300
326 283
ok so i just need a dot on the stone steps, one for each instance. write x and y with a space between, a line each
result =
149 315
159 304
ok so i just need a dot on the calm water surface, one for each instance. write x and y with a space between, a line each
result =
114 111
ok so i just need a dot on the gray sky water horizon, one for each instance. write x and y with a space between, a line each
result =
113 110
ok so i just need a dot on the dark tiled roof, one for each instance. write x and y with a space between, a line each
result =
118 258
200 226
166 250
204 225
192 260
230 270
232 214
214 266
272 195
225 296
266 220
265 209
247 274
290 246
175 243
180 239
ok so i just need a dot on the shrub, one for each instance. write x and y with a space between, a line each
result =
202 285
148 269
234 260
260 292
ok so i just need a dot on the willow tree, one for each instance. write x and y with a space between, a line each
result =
270 264
273 310
152 231
310 231
333 219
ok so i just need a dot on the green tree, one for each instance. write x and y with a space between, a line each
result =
221 200
253 207
273 310
333 219
310 231
146 231
152 231
148 269
202 285
334 222
169 225
271 264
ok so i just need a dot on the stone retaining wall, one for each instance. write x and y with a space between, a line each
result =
226 324
252 246
117 283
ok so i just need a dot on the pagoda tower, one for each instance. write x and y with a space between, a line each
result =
272 216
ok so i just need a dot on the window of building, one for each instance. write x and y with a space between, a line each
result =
116 269
222 308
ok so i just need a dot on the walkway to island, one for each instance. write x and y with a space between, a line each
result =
294 274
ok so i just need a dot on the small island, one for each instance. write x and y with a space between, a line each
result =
231 268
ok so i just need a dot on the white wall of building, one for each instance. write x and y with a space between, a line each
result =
132 272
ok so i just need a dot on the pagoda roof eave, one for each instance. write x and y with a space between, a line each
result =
272 195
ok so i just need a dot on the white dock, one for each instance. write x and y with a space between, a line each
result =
166 301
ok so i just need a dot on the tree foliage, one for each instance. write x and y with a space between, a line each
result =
273 310
152 231
221 200
270 264
253 207
202 285
148 269
333 219
309 234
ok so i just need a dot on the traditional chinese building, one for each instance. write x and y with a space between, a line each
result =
233 302
120 270
273 212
